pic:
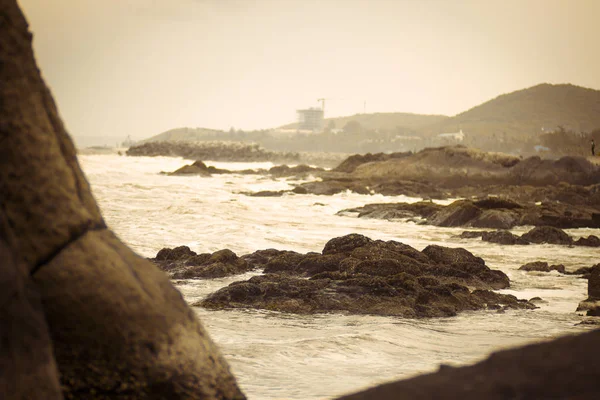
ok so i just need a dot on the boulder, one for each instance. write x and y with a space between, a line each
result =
503 237
183 263
590 241
119 329
547 234
199 168
542 266
459 213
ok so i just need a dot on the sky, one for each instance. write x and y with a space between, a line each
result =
141 67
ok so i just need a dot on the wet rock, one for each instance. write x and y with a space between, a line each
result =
352 162
459 213
503 237
447 255
471 234
301 170
182 263
345 244
359 275
542 266
260 258
590 241
547 234
331 187
495 219
485 213
268 193
175 254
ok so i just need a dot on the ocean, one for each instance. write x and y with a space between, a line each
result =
283 356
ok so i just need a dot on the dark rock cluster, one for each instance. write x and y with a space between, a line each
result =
355 274
492 212
537 235
183 263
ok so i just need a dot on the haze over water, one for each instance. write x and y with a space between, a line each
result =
275 355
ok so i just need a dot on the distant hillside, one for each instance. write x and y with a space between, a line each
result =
526 112
384 121
517 122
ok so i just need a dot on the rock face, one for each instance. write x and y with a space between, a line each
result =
564 368
547 234
27 366
492 213
542 266
362 276
199 168
183 263
455 166
118 328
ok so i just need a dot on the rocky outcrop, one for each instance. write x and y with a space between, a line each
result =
495 213
547 234
503 237
542 266
118 327
362 276
214 151
351 163
537 235
183 263
564 368
456 166
199 168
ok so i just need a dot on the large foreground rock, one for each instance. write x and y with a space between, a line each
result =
565 368
357 275
27 366
118 328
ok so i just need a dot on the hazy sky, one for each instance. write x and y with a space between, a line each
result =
140 67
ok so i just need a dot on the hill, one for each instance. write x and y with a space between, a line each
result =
519 122
183 135
529 112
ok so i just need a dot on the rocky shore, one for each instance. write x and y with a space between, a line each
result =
278 171
537 235
491 212
232 151
353 274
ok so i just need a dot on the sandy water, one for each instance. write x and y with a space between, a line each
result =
276 356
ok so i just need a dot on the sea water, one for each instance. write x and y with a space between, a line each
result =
284 356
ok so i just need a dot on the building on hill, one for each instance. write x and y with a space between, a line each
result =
311 119
456 136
